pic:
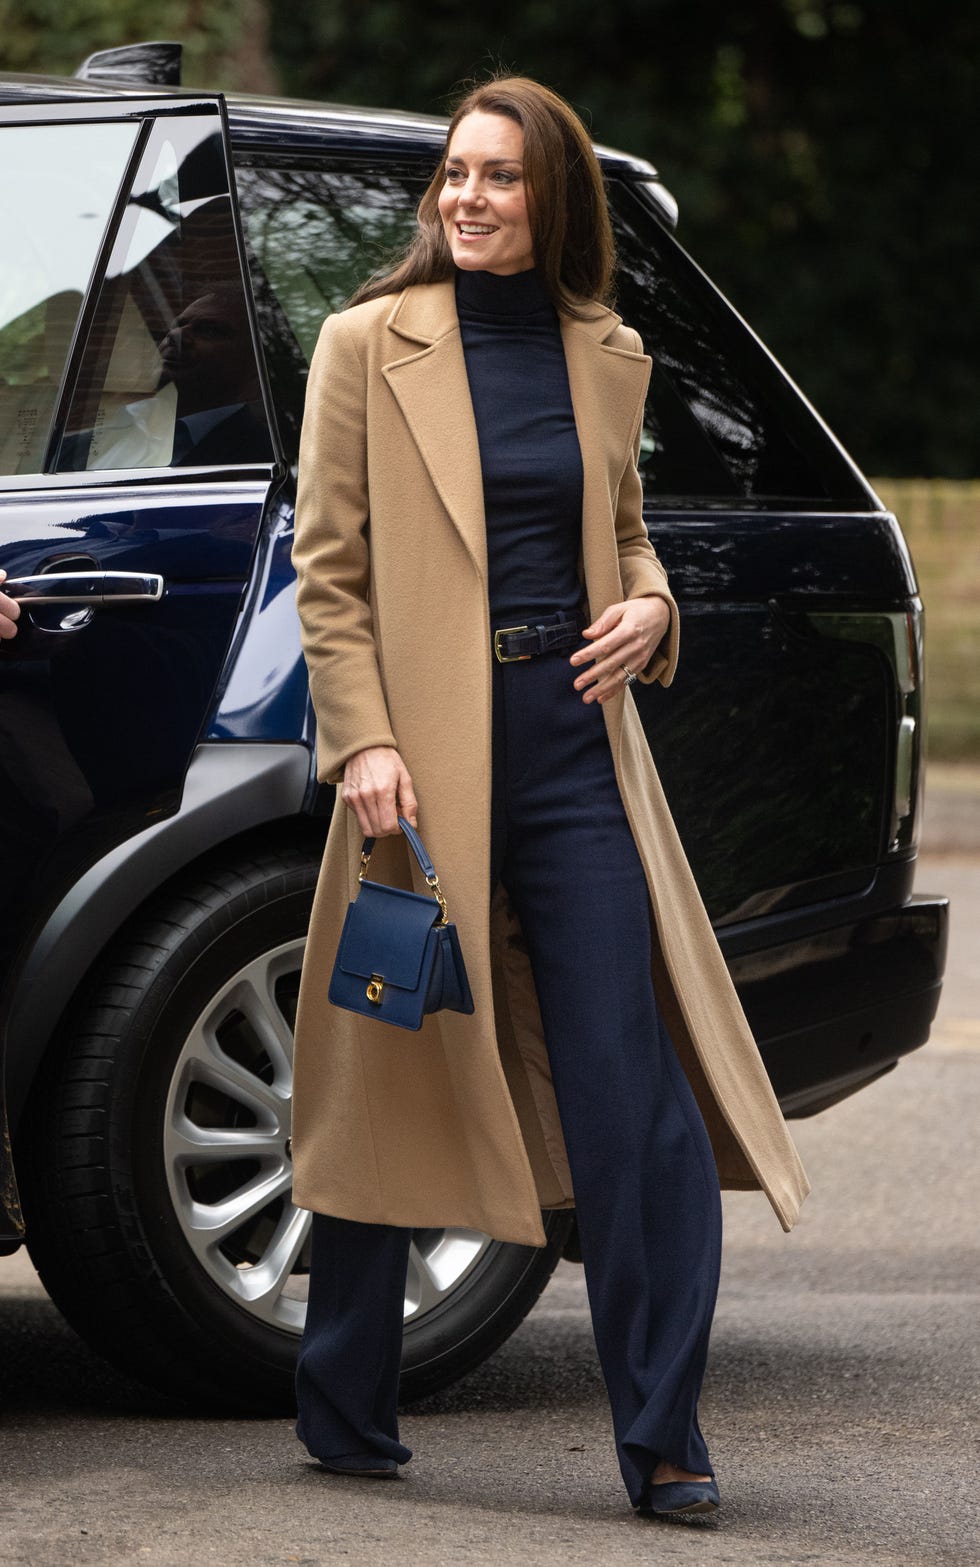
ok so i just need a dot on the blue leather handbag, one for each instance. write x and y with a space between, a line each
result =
399 957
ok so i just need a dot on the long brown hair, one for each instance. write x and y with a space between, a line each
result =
567 208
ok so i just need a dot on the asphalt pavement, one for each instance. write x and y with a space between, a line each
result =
841 1402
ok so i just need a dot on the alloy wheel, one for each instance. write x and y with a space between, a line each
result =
226 1143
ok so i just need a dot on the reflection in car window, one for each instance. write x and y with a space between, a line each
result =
58 184
316 234
312 236
169 376
720 420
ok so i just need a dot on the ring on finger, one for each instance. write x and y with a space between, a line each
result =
630 676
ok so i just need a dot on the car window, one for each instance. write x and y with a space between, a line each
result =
312 235
317 233
58 186
168 376
721 420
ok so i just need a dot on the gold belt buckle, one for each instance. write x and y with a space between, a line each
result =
503 658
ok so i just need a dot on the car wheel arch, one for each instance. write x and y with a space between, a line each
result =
231 792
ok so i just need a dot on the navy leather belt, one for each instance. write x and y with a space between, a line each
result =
551 634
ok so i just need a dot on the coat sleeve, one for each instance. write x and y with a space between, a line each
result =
639 568
331 554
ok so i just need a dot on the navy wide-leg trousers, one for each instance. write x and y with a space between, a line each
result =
646 1188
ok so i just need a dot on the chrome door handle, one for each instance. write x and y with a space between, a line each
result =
85 587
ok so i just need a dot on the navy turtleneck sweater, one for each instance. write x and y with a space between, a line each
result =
529 448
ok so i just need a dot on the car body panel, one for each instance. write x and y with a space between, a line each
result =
229 791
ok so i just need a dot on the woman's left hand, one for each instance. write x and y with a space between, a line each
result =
625 636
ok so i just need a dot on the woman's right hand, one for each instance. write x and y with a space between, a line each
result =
378 789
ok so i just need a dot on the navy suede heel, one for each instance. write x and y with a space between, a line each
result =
680 1496
363 1465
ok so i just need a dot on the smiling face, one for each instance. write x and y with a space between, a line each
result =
483 203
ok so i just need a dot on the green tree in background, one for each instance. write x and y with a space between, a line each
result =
823 153
224 40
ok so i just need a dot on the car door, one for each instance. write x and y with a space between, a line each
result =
137 458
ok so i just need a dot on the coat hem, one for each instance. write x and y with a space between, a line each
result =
420 1218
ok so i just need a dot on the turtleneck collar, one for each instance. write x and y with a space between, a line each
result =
490 294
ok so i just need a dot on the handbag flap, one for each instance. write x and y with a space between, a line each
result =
385 933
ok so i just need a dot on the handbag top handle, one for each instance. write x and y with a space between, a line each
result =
421 854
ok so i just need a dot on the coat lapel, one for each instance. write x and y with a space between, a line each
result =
433 393
607 387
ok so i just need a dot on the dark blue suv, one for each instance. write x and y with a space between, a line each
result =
166 260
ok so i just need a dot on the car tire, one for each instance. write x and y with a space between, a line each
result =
161 1120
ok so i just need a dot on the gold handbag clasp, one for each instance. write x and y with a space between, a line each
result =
375 989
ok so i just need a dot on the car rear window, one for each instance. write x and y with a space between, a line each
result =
58 187
722 421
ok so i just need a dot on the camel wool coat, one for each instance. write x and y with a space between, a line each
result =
457 1124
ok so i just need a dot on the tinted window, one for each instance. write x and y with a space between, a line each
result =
168 376
312 236
58 185
721 420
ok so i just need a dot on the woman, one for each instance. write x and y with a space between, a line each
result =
468 466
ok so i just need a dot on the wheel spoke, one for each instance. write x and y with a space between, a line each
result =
189 1144
436 1269
211 1223
263 1283
240 1085
453 1254
257 1000
422 1292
